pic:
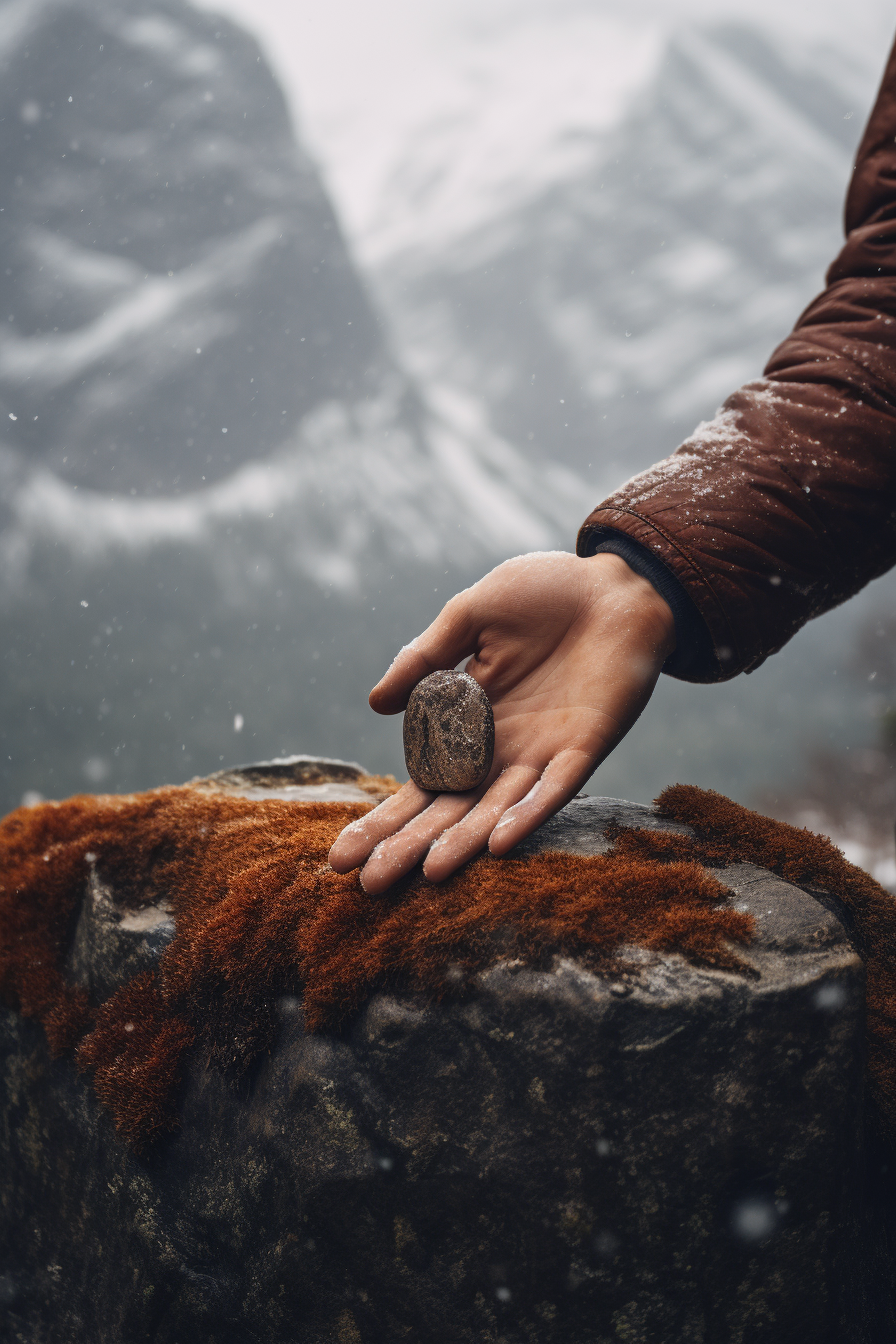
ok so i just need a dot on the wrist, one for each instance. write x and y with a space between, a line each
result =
615 583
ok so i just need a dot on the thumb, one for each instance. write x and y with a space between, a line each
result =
452 636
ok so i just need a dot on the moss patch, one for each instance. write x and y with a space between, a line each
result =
259 913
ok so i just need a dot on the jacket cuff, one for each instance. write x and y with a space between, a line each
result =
694 657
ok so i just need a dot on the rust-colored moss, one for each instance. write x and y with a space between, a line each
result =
259 913
135 1051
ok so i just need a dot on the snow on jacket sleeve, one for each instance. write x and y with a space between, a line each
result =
784 504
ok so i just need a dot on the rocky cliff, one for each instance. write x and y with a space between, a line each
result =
175 291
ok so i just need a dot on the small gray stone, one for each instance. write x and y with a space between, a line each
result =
449 733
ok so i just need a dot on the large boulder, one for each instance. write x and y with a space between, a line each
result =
669 1154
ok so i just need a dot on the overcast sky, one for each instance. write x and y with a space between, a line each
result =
489 81
321 48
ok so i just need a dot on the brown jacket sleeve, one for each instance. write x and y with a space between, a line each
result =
784 504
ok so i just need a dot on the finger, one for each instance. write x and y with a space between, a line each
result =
400 853
561 781
451 637
455 846
390 694
358 840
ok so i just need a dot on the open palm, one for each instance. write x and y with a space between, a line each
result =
568 651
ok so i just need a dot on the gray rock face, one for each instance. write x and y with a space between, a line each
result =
674 1154
449 733
175 289
113 943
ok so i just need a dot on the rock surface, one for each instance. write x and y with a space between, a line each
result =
301 779
673 1154
449 733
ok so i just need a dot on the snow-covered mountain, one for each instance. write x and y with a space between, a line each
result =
179 296
356 486
207 433
612 294
175 292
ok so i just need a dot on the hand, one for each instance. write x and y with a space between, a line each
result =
568 651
